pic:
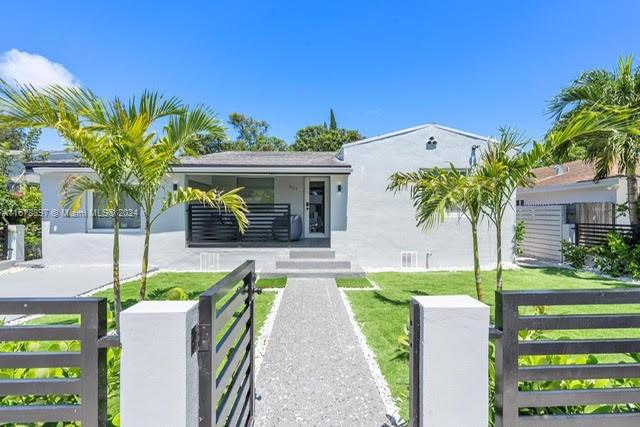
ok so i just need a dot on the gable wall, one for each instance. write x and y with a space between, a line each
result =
381 224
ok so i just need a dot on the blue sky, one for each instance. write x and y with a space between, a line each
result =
382 66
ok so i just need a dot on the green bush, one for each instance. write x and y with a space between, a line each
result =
614 257
575 255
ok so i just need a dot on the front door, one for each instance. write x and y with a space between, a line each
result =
316 197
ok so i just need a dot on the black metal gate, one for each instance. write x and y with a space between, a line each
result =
225 343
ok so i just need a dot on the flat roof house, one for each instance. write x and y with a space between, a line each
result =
296 199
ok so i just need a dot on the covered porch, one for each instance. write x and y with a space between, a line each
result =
295 199
292 211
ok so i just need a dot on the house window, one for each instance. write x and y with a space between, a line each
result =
257 190
102 217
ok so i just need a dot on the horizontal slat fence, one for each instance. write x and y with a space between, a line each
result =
510 321
210 226
543 231
591 235
225 339
89 386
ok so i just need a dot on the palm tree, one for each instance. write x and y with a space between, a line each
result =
152 157
506 167
85 122
436 192
611 150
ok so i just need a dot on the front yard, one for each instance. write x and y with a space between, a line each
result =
383 314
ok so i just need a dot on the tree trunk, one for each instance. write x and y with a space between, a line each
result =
117 302
145 257
499 254
476 262
632 199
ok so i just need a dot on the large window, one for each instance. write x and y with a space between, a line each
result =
257 190
102 217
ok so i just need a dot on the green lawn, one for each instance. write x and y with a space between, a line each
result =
353 282
383 314
271 282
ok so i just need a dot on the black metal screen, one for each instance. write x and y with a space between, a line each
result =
511 401
210 226
90 359
4 242
590 235
225 342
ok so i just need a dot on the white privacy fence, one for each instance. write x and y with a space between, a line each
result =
544 230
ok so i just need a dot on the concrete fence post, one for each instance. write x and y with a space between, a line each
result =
449 362
16 243
158 372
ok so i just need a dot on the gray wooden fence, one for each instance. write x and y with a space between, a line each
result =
543 231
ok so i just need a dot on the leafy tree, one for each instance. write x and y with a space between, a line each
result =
505 167
323 138
252 135
25 140
437 191
597 112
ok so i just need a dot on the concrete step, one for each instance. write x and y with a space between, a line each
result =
351 273
312 254
313 264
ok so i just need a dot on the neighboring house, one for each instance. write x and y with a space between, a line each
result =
572 184
19 175
336 200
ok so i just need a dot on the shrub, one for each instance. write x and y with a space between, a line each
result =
575 255
614 257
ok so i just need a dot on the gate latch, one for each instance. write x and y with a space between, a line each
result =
200 338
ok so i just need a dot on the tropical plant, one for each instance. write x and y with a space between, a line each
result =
90 127
151 157
506 166
436 192
613 144
575 255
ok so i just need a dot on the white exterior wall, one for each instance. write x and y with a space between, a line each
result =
68 240
381 224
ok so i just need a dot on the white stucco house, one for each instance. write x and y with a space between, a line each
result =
337 200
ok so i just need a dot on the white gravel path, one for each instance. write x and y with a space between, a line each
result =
314 372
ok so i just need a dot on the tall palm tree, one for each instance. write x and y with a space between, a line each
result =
83 120
152 157
506 167
611 150
436 192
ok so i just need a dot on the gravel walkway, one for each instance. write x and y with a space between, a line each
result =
314 372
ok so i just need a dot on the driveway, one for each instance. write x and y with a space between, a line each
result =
58 280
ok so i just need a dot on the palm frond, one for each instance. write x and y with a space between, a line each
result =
229 201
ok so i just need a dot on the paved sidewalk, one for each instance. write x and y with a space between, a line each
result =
314 372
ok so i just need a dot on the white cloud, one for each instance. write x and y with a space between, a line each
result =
33 69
